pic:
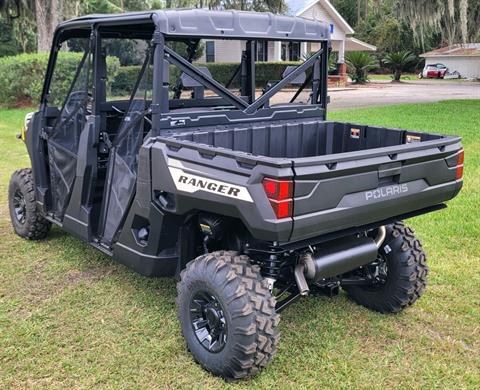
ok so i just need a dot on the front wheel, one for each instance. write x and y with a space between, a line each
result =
27 221
399 275
227 314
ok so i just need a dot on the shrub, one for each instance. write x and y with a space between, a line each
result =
358 65
399 61
222 72
23 75
264 72
22 78
125 80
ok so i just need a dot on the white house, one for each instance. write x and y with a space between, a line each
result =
465 59
321 10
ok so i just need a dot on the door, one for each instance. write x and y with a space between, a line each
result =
122 168
68 105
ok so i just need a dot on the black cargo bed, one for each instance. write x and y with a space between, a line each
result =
300 139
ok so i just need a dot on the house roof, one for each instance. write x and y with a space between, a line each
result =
459 50
298 7
354 44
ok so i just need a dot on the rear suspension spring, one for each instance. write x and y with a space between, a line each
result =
271 266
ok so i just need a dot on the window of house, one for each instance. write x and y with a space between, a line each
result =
210 51
294 51
284 51
261 52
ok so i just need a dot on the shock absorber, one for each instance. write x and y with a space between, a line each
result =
271 267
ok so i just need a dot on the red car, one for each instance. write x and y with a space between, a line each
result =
436 71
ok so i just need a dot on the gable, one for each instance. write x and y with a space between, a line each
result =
321 10
318 12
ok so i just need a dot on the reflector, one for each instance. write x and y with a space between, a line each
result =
460 160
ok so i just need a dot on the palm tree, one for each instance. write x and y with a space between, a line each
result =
358 65
398 61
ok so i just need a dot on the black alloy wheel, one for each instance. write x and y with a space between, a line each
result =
208 321
19 206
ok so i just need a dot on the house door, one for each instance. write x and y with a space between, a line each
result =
68 105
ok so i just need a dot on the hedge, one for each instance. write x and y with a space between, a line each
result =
222 72
22 76
125 80
264 72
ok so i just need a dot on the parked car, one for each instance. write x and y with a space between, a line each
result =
433 71
251 206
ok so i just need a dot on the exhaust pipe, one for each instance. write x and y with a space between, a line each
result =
382 234
336 258
339 257
302 284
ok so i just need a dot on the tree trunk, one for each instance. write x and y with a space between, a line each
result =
359 4
397 75
46 16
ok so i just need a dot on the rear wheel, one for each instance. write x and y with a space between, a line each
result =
27 221
227 314
399 275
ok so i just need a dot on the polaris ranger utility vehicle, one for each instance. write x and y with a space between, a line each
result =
250 202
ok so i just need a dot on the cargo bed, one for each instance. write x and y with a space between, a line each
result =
299 139
345 175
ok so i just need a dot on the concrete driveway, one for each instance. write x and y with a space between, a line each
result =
379 93
384 93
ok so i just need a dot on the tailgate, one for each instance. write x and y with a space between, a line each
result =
353 189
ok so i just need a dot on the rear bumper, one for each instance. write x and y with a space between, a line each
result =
359 209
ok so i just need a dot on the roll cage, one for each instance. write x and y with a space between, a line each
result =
189 27
87 151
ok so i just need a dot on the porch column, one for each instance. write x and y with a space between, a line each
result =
341 52
342 69
277 51
303 50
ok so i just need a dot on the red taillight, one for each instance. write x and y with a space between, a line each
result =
460 159
278 189
279 193
283 208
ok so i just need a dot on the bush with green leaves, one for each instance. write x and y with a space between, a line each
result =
23 75
222 72
264 72
398 62
359 63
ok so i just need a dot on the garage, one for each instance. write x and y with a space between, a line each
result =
464 58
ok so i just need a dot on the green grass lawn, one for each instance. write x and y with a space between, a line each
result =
72 318
405 76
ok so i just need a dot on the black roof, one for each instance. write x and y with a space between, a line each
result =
205 23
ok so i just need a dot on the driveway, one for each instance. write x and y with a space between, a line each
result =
384 93
379 94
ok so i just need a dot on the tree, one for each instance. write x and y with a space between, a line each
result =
8 44
276 6
358 65
387 33
348 10
455 20
398 62
44 12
